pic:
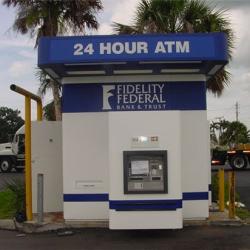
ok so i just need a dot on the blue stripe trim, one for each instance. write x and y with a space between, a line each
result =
195 196
85 197
105 197
145 205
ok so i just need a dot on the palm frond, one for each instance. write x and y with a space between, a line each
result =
124 29
173 16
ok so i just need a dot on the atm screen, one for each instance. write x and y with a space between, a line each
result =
145 172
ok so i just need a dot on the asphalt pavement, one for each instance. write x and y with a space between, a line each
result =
104 239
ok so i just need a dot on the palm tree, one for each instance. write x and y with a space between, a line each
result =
52 18
174 16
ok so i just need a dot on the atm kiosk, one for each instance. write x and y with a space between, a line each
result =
134 129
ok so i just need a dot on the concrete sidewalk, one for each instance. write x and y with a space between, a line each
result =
54 221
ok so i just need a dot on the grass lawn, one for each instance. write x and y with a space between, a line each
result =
7 204
243 213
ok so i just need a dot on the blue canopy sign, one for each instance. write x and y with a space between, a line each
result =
202 46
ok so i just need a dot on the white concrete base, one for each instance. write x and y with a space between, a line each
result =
196 209
146 219
85 211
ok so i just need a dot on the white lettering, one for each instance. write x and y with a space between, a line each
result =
117 48
130 49
119 89
78 49
182 47
147 98
142 47
170 45
160 48
105 48
161 86
119 98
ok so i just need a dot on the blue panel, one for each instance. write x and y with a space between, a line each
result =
85 197
145 205
134 97
76 49
131 203
195 196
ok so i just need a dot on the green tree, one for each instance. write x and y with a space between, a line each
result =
235 133
49 112
10 122
174 16
51 18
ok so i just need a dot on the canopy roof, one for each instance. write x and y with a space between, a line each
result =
200 53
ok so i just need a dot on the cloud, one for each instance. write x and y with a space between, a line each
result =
27 54
233 4
16 42
124 11
120 11
21 68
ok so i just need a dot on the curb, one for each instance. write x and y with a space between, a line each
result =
29 227
230 223
7 224
34 227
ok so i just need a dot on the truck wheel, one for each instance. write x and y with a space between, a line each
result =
238 162
5 165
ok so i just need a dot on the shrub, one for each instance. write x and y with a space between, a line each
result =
12 199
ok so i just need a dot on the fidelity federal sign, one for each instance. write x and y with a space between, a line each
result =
135 96
148 96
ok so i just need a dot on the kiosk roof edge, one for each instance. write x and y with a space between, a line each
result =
200 53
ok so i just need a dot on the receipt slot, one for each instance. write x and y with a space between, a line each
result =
145 172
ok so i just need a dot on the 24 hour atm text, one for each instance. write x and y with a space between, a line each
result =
131 48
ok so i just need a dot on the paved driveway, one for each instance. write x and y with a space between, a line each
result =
192 238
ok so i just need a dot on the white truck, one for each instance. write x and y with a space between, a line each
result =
12 154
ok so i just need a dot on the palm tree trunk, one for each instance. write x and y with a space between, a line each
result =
57 101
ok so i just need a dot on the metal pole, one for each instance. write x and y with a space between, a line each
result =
25 92
28 177
28 183
40 198
32 96
231 180
221 191
237 111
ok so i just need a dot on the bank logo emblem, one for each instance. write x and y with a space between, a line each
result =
107 93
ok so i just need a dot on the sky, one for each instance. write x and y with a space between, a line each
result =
18 58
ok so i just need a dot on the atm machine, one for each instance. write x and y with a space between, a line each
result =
134 128
145 171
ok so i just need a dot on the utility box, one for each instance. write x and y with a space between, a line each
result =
134 128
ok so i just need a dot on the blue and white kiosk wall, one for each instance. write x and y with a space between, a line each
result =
135 132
